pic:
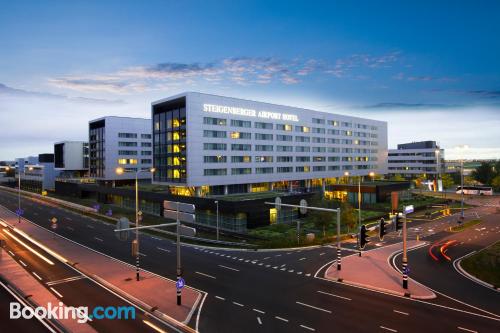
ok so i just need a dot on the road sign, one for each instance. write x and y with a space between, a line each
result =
109 212
139 215
135 248
303 206
277 203
408 209
123 223
19 212
97 207
406 270
54 220
183 207
184 217
187 231
180 283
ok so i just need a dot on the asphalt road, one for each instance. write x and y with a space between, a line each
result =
265 291
71 287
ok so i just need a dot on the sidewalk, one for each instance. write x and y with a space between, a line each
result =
17 276
373 271
152 292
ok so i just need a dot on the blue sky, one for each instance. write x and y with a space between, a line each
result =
430 69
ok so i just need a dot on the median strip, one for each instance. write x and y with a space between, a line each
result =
314 307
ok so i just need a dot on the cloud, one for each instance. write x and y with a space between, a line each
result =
402 76
399 105
485 93
20 93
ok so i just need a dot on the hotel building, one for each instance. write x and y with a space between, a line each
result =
119 142
212 145
417 158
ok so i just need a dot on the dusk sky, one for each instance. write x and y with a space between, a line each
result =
430 69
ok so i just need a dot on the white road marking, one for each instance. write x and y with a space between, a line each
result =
37 276
69 218
247 260
90 226
278 255
322 253
314 307
466 329
70 228
22 263
162 249
221 298
70 279
98 239
56 292
210 276
302 259
333 295
308 274
299 273
401 312
256 310
268 266
308 328
260 321
239 304
290 271
12 254
282 319
142 254
230 268
388 329
266 258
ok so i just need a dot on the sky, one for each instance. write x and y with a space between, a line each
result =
430 69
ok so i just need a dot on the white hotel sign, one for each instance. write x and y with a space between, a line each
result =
249 112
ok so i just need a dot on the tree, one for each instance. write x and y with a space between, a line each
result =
348 216
496 183
447 181
484 173
322 220
397 178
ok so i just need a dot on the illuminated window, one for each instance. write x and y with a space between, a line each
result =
288 127
176 123
176 136
177 149
176 174
177 161
123 161
235 135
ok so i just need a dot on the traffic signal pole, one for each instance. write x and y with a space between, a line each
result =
339 257
405 258
179 270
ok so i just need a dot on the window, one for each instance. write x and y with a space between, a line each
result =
241 147
284 127
333 150
263 148
145 144
127 135
241 171
333 123
284 169
127 144
303 129
318 121
145 136
240 135
302 169
146 161
241 123
302 139
241 159
318 130
334 141
123 161
284 159
281 137
333 132
302 158
318 140
260 136
146 153
346 124
215 172
333 167
214 134
263 125
263 159
214 121
319 168
214 146
264 170
333 159
284 148
319 150
319 159
215 159
127 152
302 149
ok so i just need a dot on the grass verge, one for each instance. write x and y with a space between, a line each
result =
463 226
485 265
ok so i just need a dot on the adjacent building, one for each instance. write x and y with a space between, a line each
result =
119 142
213 145
40 176
417 158
71 158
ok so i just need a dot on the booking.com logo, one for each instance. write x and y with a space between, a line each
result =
81 313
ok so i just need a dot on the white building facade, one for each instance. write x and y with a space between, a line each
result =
208 144
71 155
119 142
416 158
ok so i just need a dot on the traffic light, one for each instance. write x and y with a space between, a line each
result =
381 229
398 223
363 237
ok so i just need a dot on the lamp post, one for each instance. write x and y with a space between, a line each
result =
462 148
19 190
359 211
120 171
217 217
372 175
438 174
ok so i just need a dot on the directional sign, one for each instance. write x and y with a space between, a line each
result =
184 217
183 207
406 270
408 209
109 212
180 283
187 231
20 212
277 203
123 223
303 206
97 207
54 220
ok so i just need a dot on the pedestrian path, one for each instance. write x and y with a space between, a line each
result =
152 292
373 271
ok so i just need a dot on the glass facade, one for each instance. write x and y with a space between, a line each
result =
96 148
169 141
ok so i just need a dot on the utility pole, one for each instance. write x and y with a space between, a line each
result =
137 225
179 271
217 219
359 211
339 257
462 188
405 258
19 192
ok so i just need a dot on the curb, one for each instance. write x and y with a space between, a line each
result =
458 267
389 291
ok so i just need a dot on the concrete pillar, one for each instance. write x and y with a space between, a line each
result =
249 188
197 190
289 186
271 186
226 190
323 186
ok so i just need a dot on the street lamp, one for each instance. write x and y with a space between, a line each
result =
372 175
217 218
359 211
462 148
346 174
19 190
121 171
438 174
